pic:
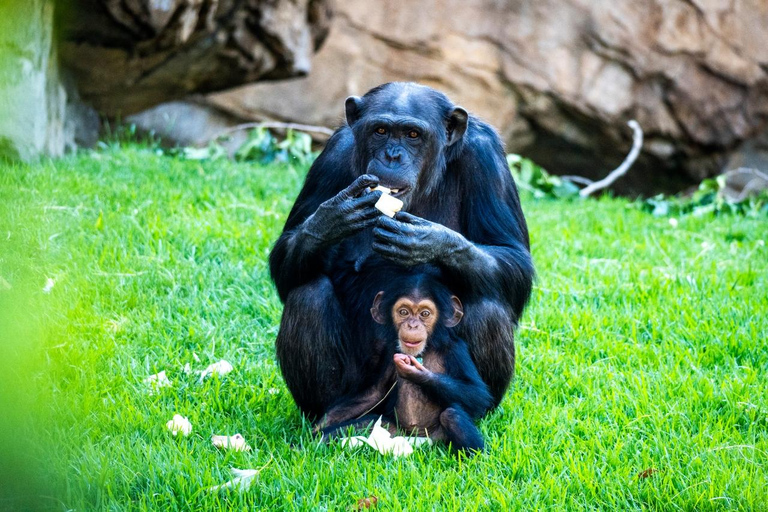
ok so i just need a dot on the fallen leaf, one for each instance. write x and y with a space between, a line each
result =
179 424
646 473
243 478
157 382
220 368
235 442
369 502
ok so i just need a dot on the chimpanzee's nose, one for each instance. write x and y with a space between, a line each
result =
393 155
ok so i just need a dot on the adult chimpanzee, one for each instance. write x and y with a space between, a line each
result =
463 215
439 397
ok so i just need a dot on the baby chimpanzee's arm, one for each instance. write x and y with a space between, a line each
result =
460 385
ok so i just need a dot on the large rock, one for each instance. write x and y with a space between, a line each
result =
129 55
558 78
32 98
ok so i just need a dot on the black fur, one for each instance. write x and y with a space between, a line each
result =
473 229
445 401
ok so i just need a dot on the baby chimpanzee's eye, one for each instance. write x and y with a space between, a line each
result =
425 313
402 312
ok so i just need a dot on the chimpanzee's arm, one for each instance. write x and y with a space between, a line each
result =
324 214
460 384
489 258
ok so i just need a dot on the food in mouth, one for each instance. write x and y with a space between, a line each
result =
387 204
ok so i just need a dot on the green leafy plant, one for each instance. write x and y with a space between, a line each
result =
709 198
533 178
263 147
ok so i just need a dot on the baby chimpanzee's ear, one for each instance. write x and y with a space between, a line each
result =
458 313
376 309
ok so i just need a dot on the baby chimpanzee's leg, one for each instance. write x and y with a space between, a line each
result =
461 430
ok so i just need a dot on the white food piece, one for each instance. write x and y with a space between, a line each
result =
221 368
389 205
235 442
381 441
179 424
157 382
382 189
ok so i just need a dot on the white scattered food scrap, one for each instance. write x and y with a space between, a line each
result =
220 368
157 382
49 284
380 440
273 391
243 478
235 442
179 424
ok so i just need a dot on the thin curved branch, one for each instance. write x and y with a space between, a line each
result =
621 170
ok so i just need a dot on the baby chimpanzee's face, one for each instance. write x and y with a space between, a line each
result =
414 321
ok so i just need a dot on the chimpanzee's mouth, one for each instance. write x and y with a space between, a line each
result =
397 191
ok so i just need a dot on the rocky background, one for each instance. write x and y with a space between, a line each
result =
558 78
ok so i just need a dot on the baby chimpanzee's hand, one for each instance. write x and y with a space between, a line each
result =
410 369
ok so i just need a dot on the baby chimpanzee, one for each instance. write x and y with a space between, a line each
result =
431 386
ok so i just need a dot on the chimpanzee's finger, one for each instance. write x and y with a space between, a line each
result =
360 184
415 362
394 226
362 224
383 236
407 218
366 200
394 240
390 252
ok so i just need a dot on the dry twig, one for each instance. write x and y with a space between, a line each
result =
637 143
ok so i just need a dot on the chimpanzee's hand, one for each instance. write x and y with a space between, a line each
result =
409 368
409 240
345 214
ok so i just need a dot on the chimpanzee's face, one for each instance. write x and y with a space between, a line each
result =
414 320
399 149
401 133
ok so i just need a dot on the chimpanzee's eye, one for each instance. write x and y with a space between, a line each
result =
413 134
381 130
425 313
402 312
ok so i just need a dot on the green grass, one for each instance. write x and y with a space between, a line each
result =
644 346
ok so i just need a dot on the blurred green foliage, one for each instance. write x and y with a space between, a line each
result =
534 179
709 198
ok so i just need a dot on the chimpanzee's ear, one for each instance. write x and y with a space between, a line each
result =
353 105
457 125
458 313
376 309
